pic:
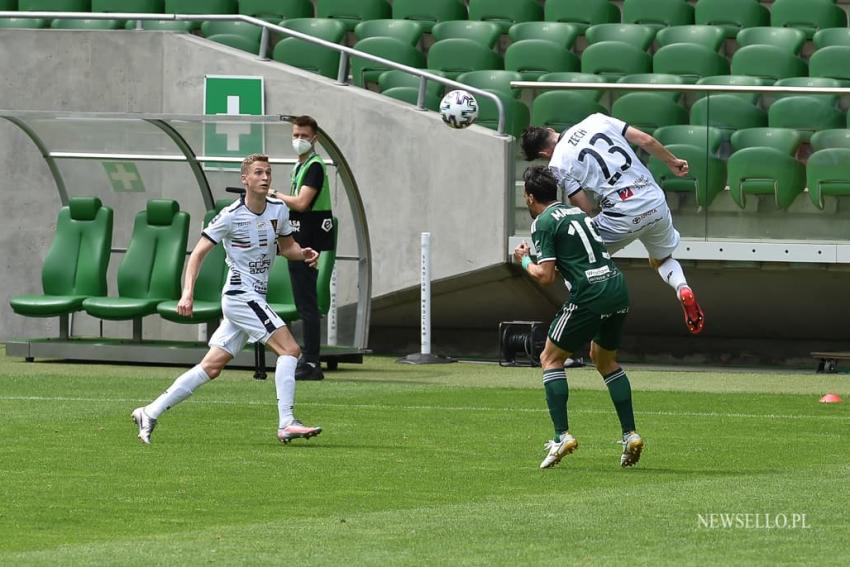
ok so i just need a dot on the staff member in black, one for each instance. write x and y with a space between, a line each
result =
309 201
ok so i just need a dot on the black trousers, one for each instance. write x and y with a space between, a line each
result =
303 279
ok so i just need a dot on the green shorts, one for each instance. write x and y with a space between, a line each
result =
575 325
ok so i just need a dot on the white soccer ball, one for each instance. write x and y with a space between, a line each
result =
459 109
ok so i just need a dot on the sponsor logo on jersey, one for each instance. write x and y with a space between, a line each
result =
259 266
626 193
641 217
596 272
327 225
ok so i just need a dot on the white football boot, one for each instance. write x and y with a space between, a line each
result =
632 447
558 449
146 425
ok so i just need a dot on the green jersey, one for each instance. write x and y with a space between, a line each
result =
566 236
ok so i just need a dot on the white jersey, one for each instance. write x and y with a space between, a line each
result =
594 155
250 242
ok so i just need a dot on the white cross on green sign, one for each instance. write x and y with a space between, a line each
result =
123 176
233 95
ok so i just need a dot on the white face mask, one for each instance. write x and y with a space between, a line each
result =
301 146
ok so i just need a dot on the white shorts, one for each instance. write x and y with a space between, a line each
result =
654 228
243 322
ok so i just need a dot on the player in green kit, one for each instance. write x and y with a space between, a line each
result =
599 302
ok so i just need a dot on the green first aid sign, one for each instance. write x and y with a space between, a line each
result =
123 176
233 95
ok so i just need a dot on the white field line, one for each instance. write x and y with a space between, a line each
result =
429 408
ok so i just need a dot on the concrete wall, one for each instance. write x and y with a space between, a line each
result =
414 173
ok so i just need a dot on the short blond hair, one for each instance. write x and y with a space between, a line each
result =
249 161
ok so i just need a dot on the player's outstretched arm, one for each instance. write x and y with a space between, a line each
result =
655 148
543 273
291 250
193 266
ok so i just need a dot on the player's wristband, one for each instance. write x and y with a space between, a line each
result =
526 261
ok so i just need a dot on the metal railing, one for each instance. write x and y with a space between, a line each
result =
537 85
345 52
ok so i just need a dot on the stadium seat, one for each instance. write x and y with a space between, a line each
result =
310 56
739 81
237 42
364 71
791 39
516 114
658 13
430 12
690 61
276 10
505 13
456 56
208 285
129 6
150 271
731 15
688 134
655 79
394 79
86 24
636 35
8 5
407 31
563 34
831 62
581 13
763 164
706 176
613 59
808 16
352 12
23 23
485 33
410 95
535 57
54 5
831 36
767 62
560 110
828 173
189 7
727 113
573 77
648 111
215 27
826 139
497 80
708 36
813 82
805 114
76 263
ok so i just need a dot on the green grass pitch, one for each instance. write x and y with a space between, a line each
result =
434 465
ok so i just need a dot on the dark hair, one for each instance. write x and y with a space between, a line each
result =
540 183
533 140
306 121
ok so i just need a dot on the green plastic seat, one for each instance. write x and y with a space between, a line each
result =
560 110
456 56
767 61
648 111
831 62
828 174
636 35
655 79
516 114
86 24
208 285
352 12
613 59
205 7
706 176
411 96
485 33
54 5
791 39
24 23
276 10
736 80
533 58
248 31
690 61
574 77
309 56
76 262
581 13
394 78
8 5
407 31
430 12
658 13
731 15
182 26
129 6
727 113
324 28
831 36
505 13
708 36
805 114
364 71
808 16
561 33
827 139
150 271
237 42
763 164
690 135
812 82
495 80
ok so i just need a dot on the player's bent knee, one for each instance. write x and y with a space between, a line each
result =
215 361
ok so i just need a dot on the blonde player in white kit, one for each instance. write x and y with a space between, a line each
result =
253 230
595 156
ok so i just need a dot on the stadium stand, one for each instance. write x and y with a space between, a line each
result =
581 13
706 177
574 77
636 35
429 13
561 109
763 163
648 111
831 62
456 56
690 61
407 31
516 113
532 58
364 71
727 113
808 16
249 32
768 62
613 59
394 79
827 174
783 38
710 37
276 10
658 13
736 80
560 33
805 114
352 12
731 15
505 13
655 79
485 33
831 36
496 80
309 56
411 95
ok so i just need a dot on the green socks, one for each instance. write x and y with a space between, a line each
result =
621 395
557 393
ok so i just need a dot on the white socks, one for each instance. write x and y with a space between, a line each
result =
284 382
181 389
671 272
